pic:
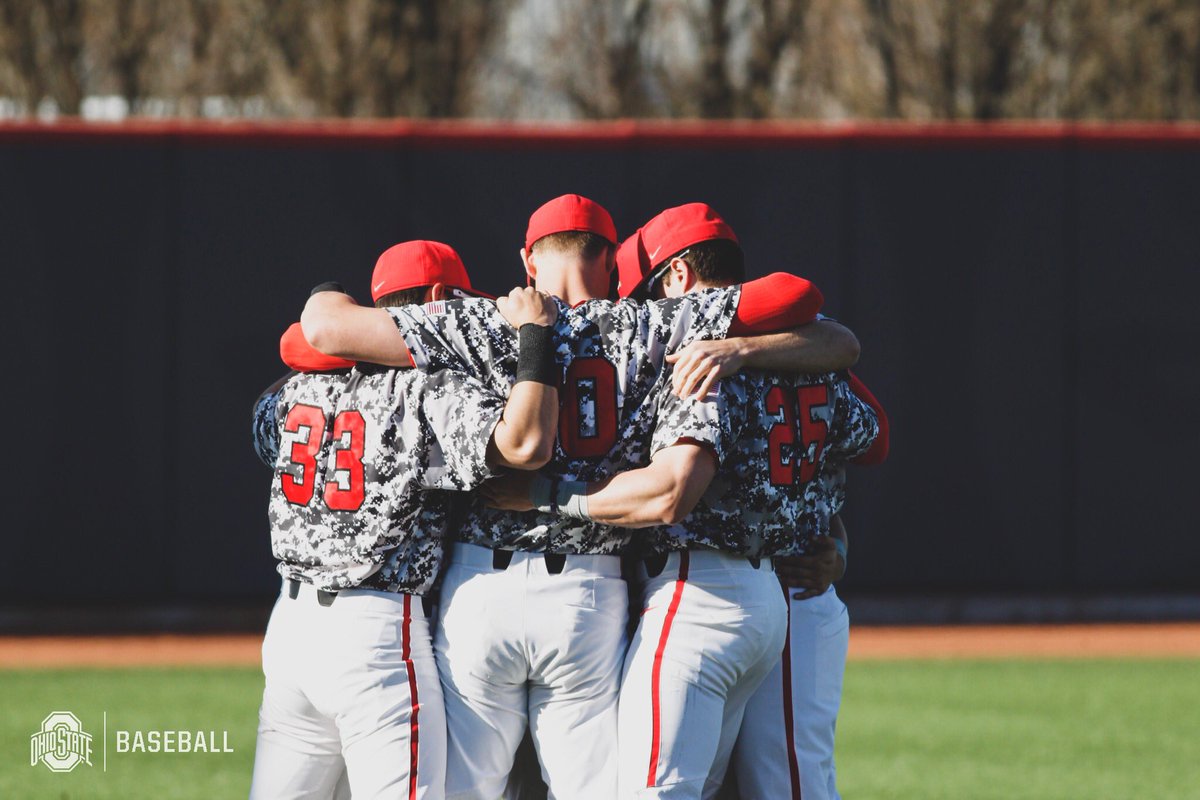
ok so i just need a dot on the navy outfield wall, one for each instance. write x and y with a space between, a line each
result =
1025 297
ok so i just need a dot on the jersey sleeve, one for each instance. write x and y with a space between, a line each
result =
640 335
877 453
298 354
715 422
264 427
776 302
465 335
460 414
855 426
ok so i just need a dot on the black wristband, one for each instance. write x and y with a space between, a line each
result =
535 355
328 286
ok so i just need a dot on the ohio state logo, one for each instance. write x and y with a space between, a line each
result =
61 744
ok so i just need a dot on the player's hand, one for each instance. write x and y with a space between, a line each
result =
525 305
701 364
812 572
509 492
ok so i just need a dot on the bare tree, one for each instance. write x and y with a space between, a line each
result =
757 59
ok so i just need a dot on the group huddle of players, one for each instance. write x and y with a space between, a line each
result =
609 524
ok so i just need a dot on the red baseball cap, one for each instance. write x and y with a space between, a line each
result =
633 265
570 212
667 233
419 263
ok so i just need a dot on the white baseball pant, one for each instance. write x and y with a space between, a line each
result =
519 645
712 627
351 687
785 748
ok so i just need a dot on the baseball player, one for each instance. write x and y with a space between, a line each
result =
700 650
786 745
532 627
351 683
773 757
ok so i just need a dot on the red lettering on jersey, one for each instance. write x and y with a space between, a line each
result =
799 422
303 455
813 429
587 425
782 433
348 430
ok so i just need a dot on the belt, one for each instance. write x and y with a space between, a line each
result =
477 557
656 563
325 597
554 561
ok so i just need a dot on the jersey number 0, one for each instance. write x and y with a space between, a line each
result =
587 424
348 429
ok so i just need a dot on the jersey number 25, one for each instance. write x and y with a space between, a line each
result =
784 452
348 428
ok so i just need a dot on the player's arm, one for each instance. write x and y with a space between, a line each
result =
821 346
524 437
691 439
662 493
336 325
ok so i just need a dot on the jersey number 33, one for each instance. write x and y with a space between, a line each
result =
298 482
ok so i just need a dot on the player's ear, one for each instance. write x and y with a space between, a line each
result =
681 274
530 267
435 293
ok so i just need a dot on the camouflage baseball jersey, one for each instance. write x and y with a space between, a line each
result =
356 454
774 435
611 356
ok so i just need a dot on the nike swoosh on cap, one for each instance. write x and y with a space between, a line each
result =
378 285
652 255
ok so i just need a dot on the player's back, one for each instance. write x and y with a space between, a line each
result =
349 506
612 357
774 434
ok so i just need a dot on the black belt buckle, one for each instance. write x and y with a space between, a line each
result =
501 559
555 563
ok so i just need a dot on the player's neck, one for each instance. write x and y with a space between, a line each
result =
700 286
569 287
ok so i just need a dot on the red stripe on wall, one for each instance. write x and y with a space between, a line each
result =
789 719
414 727
618 134
656 670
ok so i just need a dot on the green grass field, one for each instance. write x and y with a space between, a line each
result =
968 730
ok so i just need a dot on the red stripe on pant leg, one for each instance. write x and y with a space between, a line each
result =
656 671
413 737
788 716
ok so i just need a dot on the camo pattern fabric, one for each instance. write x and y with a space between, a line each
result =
611 356
264 430
349 505
781 440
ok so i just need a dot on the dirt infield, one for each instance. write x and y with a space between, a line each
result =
1042 641
1027 641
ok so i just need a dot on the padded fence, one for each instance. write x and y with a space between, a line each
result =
1026 298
